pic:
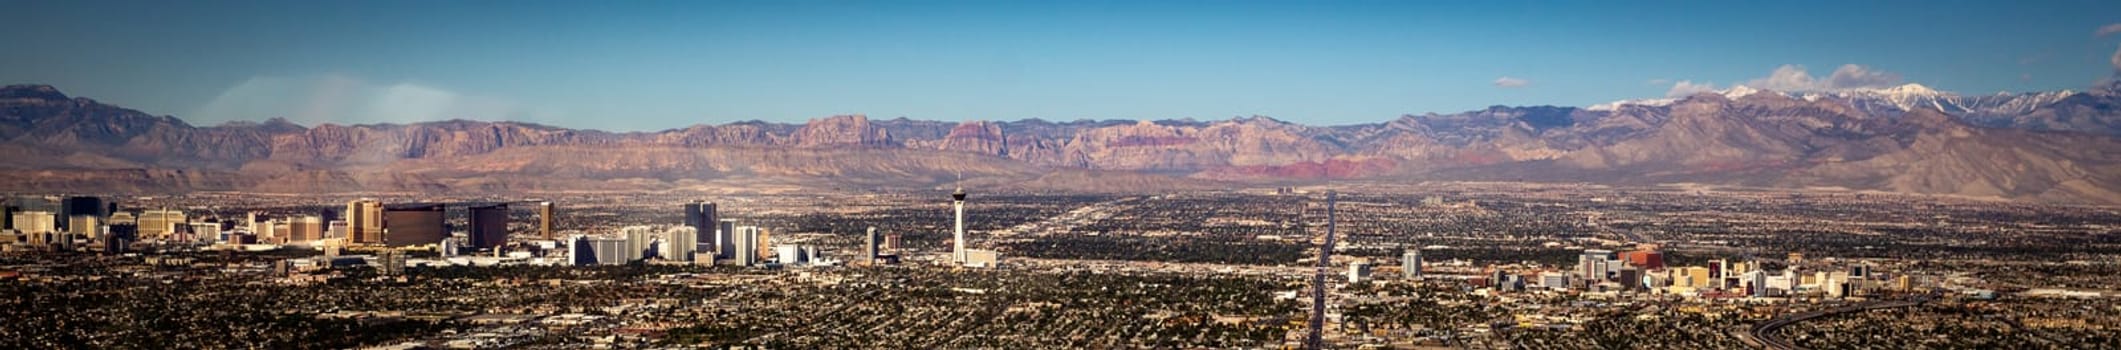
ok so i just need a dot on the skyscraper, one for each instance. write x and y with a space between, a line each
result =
545 220
957 202
725 239
869 246
763 240
413 224
680 243
638 241
489 226
364 221
701 217
746 251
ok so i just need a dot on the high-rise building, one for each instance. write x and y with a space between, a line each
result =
725 239
580 252
789 255
764 241
545 212
36 222
957 252
201 232
85 225
746 251
413 224
701 216
680 243
1410 263
335 230
305 228
639 241
612 251
894 242
7 216
1358 271
364 221
82 205
1630 278
120 237
159 223
281 230
489 226
869 246
1756 284
1593 264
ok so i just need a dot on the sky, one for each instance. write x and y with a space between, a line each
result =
648 65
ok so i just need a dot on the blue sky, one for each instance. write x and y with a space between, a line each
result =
658 65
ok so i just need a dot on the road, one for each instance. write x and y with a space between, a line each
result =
1763 334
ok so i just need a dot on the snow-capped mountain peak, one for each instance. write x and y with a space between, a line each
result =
1910 89
1736 92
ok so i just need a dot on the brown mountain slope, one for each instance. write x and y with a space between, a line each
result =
58 143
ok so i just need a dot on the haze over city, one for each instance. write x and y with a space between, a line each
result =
1060 175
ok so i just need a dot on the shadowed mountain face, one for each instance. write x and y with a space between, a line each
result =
57 143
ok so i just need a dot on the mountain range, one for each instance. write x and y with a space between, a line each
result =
2049 146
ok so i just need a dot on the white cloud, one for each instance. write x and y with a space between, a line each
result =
2106 30
1688 87
346 100
1508 82
1790 77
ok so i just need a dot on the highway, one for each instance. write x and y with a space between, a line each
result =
1762 334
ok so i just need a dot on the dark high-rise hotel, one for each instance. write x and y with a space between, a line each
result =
489 226
413 224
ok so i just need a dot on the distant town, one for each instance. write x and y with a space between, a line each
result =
1462 265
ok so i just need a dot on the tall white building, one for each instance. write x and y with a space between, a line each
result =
869 246
745 253
638 240
679 243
